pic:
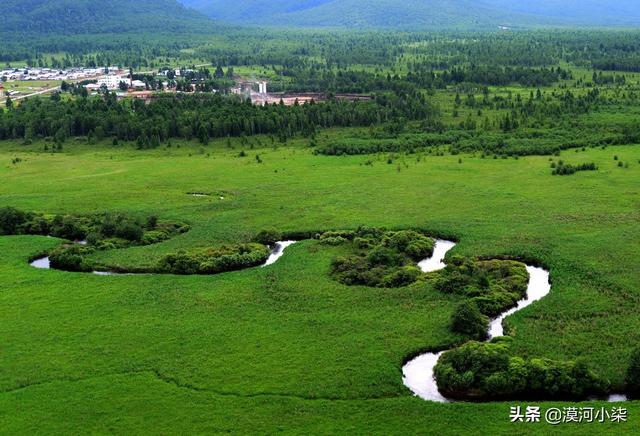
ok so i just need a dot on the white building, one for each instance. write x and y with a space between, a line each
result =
112 82
138 84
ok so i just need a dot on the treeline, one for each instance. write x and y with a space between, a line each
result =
318 79
522 142
200 116
486 75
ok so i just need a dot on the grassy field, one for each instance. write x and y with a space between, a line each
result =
285 348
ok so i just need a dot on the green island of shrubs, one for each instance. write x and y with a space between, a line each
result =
381 258
106 231
91 232
490 287
486 371
215 260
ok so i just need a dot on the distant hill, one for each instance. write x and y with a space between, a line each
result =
422 13
99 16
593 12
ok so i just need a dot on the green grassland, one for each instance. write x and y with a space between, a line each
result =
30 86
286 348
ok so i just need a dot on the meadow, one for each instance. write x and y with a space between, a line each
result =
286 348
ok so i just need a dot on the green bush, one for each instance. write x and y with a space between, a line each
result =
415 245
493 285
384 256
381 259
633 374
469 321
154 237
213 261
486 371
401 277
71 258
336 240
68 227
35 225
130 231
268 237
10 220
346 235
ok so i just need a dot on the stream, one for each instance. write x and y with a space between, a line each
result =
418 374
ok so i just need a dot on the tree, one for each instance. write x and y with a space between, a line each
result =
219 74
60 137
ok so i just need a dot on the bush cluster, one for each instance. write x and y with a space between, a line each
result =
486 371
17 222
268 237
382 258
71 258
101 232
96 228
562 169
213 261
492 285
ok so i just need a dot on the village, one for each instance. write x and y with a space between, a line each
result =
20 83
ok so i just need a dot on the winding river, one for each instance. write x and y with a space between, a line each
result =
418 374
276 253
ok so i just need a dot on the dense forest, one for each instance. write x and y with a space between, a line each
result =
63 17
195 116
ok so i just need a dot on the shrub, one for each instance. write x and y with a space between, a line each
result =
68 227
493 285
382 259
10 220
35 225
154 237
152 222
71 258
383 256
337 240
268 237
401 277
109 226
344 234
633 374
469 321
416 245
129 231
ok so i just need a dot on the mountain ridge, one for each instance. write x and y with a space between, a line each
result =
67 17
421 13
